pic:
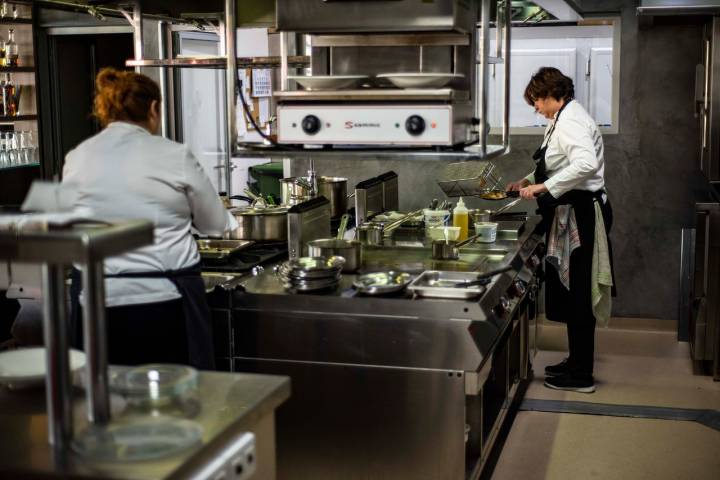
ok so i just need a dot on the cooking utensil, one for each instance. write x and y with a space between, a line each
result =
479 215
220 249
466 179
449 250
499 194
369 233
483 278
350 250
307 274
335 190
263 224
381 283
440 284
295 190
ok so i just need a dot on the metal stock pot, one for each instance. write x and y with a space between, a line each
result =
262 224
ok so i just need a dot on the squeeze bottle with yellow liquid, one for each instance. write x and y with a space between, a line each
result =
461 219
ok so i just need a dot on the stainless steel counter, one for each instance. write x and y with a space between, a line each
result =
229 404
384 386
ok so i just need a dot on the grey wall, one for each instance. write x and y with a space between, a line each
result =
651 165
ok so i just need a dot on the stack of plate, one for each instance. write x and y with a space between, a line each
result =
310 274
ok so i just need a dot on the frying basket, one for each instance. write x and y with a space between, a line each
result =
471 178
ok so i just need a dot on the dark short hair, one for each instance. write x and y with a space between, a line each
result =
549 82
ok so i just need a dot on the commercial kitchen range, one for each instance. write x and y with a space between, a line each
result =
388 387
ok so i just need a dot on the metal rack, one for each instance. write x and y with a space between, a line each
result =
481 150
56 249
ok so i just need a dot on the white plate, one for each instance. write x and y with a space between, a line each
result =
26 367
420 80
327 82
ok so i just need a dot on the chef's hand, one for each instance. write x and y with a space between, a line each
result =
514 186
532 191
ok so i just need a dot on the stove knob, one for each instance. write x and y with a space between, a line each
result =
311 124
415 125
503 307
517 289
533 262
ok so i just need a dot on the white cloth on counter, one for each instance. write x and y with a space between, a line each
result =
126 173
563 239
574 158
601 280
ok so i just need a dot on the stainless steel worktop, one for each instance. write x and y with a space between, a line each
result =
409 254
228 404
375 377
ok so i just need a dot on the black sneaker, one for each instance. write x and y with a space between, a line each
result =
557 369
572 383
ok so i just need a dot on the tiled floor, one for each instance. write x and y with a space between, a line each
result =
635 365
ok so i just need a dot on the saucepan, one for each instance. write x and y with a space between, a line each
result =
350 250
448 250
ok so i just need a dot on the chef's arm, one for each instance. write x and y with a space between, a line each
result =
579 146
209 215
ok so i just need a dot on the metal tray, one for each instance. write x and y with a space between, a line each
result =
440 284
220 249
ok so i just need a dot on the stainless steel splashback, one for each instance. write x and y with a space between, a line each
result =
375 15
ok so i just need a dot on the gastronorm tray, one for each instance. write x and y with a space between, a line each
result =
220 249
441 284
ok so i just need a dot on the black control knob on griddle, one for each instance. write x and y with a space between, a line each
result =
533 262
503 307
415 125
311 124
517 289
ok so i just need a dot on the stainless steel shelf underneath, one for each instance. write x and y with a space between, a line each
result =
256 150
219 62
382 94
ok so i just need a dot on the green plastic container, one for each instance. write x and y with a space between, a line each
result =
267 178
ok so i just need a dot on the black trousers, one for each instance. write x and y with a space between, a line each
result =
145 333
574 306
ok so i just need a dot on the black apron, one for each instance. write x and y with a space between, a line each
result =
198 326
575 304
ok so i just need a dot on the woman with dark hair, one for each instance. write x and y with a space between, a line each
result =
569 185
157 311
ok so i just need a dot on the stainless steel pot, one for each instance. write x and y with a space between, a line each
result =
335 190
370 234
295 190
260 224
350 250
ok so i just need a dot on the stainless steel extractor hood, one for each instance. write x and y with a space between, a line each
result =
679 7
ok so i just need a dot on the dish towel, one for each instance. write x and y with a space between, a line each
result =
564 238
601 281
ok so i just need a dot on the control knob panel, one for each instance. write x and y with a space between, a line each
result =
310 124
415 125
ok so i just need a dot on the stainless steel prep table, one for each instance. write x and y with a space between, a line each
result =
383 387
230 404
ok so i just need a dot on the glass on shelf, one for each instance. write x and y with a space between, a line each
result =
3 9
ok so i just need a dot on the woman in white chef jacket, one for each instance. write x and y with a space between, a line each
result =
156 307
569 171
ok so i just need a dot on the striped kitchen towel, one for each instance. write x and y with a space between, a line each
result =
563 239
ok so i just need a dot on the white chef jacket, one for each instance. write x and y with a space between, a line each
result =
124 172
574 157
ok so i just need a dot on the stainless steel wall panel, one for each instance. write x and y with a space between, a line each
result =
368 423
